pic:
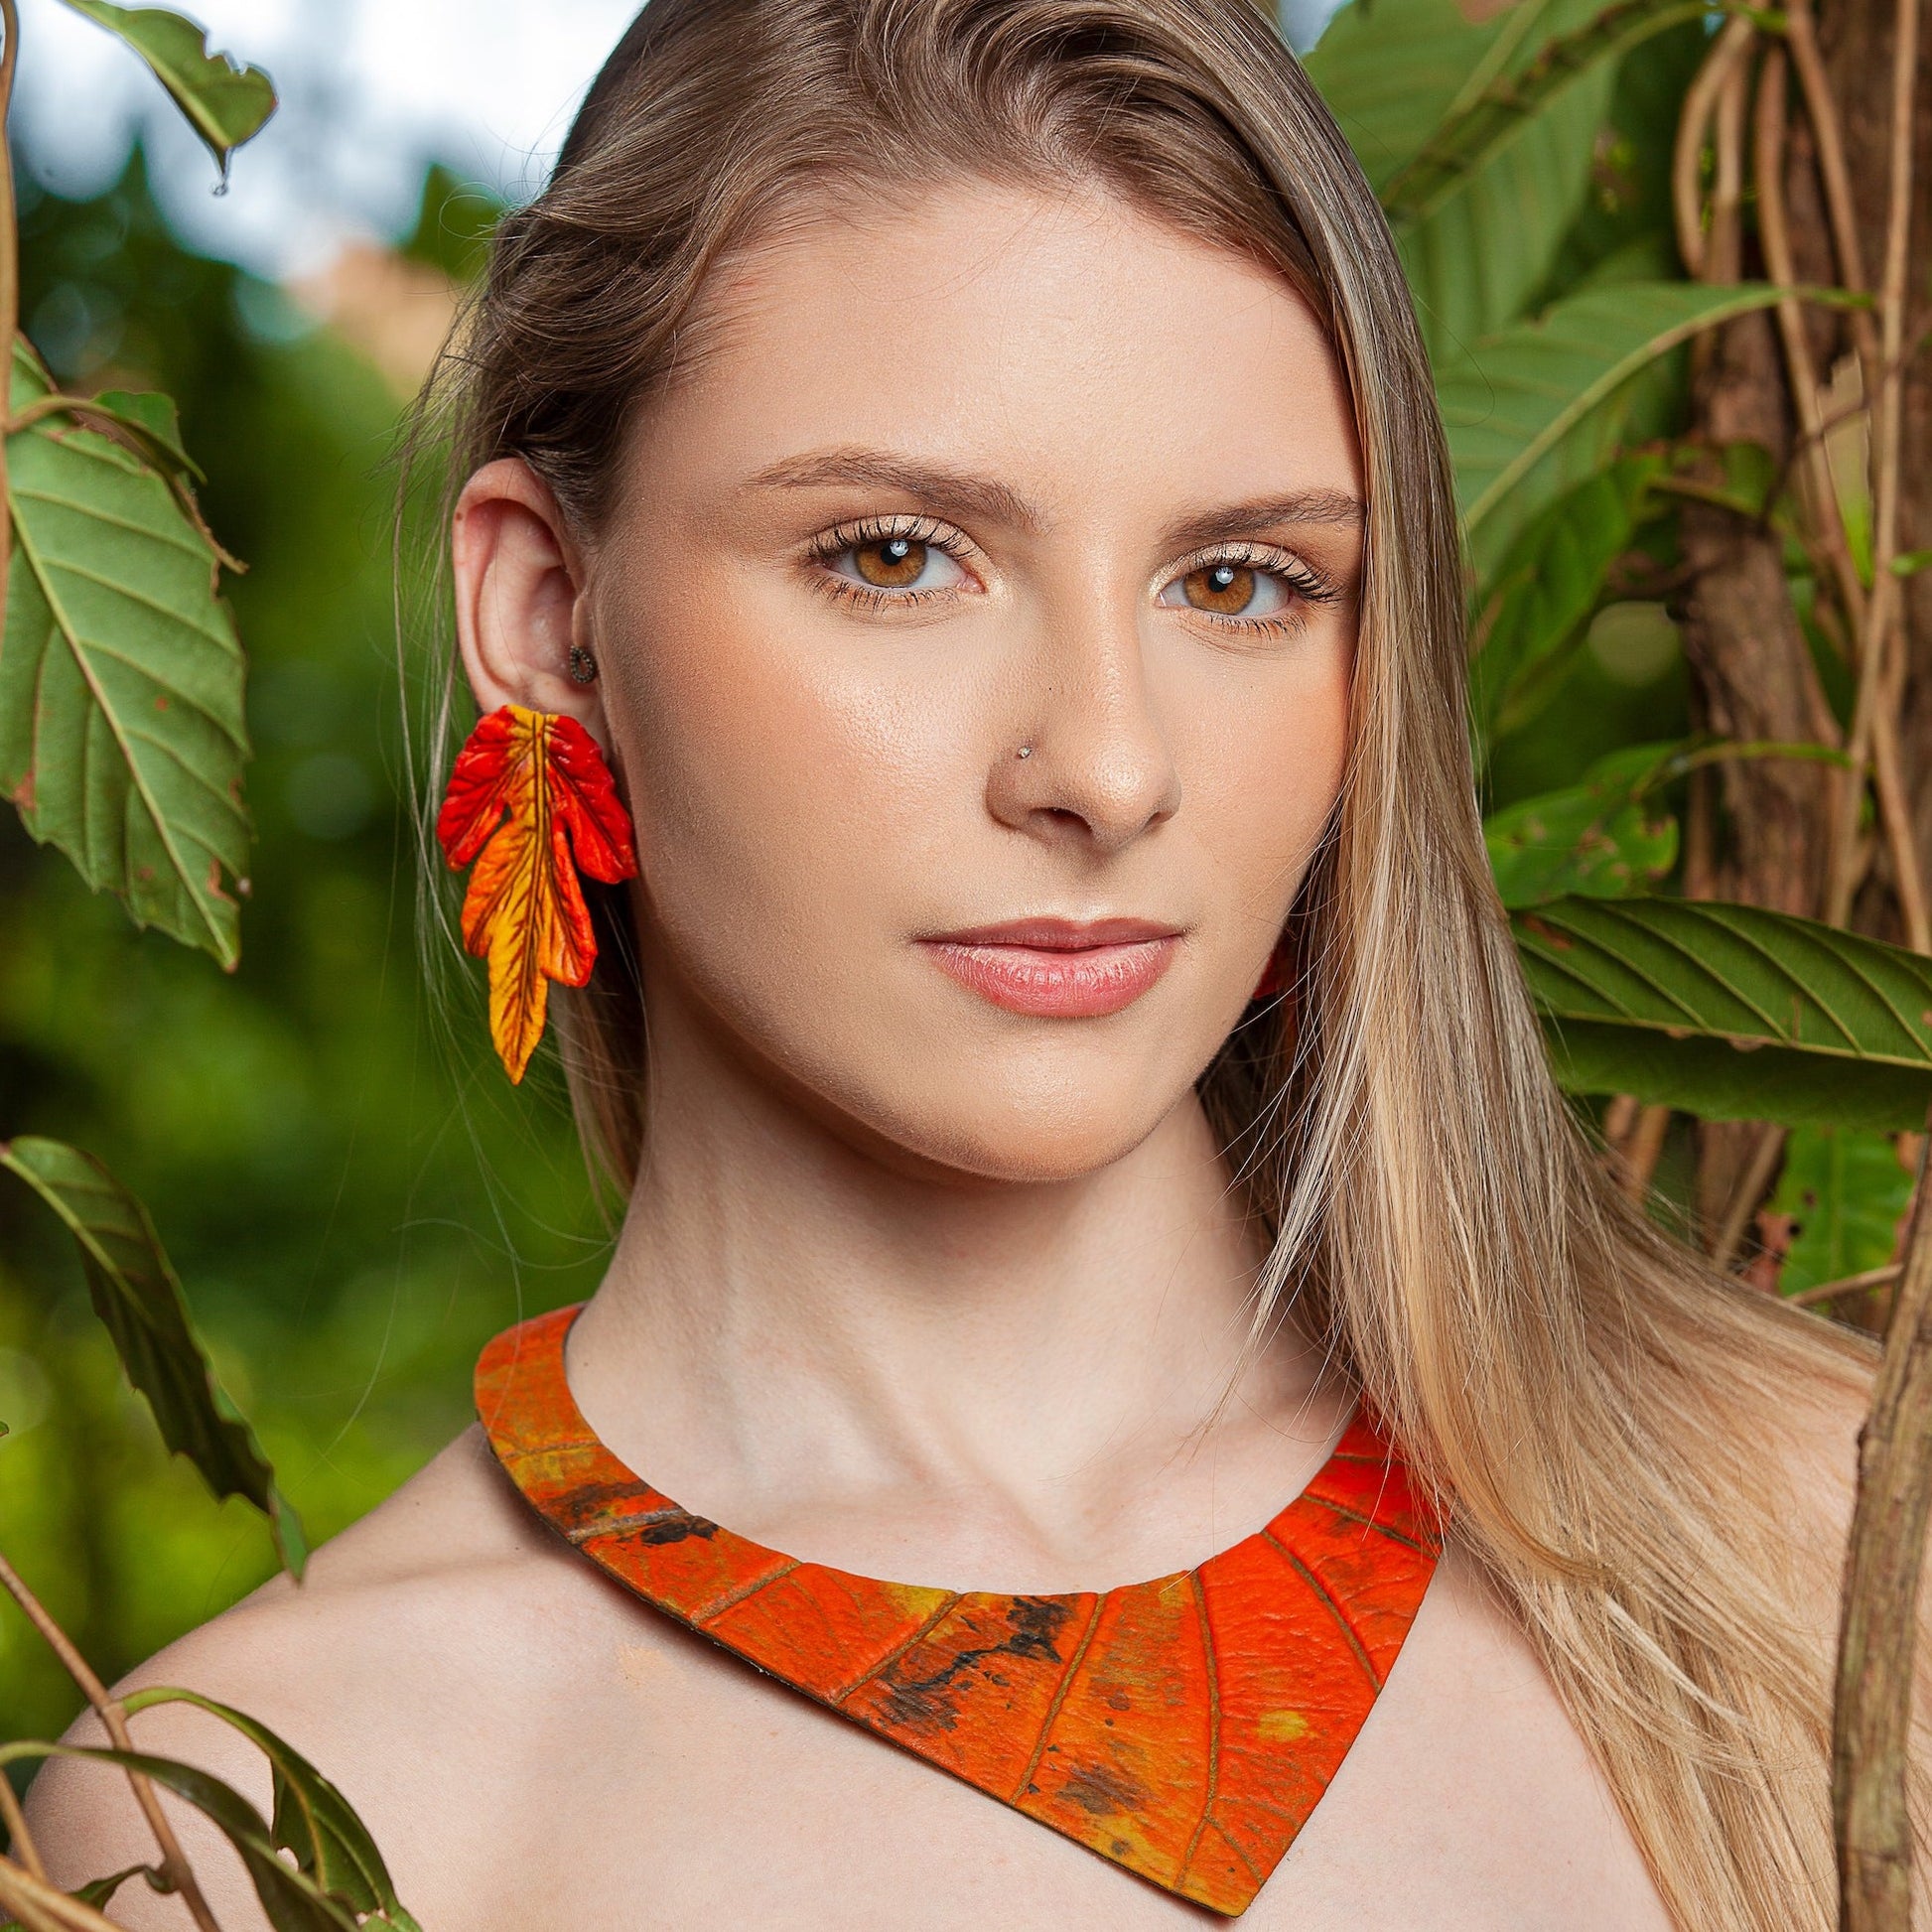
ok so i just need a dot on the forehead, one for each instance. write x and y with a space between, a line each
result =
1059 334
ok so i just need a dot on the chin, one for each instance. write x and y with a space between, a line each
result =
1021 1132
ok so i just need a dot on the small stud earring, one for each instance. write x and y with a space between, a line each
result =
1026 751
582 666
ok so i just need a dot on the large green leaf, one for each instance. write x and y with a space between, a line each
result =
1732 1012
1847 1193
1481 210
139 1301
1481 244
1513 104
291 1899
121 733
1548 586
226 104
1533 409
1391 70
312 1820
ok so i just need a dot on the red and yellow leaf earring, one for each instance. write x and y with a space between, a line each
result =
533 803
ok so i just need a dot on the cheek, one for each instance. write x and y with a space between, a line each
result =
786 789
1262 775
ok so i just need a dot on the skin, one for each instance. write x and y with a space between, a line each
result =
911 1283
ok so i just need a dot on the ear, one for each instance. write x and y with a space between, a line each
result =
520 596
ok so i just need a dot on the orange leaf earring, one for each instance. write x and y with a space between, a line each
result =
530 791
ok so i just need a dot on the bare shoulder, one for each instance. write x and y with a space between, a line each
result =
434 1613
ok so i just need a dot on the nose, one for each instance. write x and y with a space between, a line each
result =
1093 763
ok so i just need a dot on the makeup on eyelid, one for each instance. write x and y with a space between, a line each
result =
1057 968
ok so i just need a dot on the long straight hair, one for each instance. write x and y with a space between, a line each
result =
1575 1388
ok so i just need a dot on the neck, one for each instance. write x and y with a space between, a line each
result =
799 1324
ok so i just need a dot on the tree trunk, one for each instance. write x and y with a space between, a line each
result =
1751 678
1856 38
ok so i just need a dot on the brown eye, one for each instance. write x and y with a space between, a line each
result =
1225 589
1231 588
890 563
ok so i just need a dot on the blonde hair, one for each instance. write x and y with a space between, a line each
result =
1574 1385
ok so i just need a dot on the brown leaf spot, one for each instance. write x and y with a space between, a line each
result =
23 796
161 704
1547 933
1102 1791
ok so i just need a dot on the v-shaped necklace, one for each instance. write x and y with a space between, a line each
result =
1184 1728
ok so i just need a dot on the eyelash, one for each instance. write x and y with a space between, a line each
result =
881 529
1304 584
1299 579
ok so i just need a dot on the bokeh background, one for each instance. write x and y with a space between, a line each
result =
353 1197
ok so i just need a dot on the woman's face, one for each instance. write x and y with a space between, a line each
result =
975 627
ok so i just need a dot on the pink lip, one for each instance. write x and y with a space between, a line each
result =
1066 968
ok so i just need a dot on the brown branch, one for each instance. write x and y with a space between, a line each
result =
1888 613
1687 161
1821 108
1638 1153
1847 1285
9 274
38 1905
1748 1193
174 1864
20 1839
1879 738
1872 1715
1774 233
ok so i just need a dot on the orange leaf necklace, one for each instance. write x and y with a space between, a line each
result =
1184 1728
530 790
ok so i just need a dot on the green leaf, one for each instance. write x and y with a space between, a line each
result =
1481 210
139 1301
1594 839
1847 1193
1731 1012
1537 611
224 104
1390 71
121 733
292 1899
1513 103
98 1892
1533 410
154 418
312 1820
1481 249
1910 562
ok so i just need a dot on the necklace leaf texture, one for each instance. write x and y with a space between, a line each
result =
1185 1729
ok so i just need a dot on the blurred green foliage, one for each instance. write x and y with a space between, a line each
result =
353 1198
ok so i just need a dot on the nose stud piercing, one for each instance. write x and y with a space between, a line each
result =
1026 751
582 666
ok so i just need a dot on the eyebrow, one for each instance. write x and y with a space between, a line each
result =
1336 507
957 492
954 491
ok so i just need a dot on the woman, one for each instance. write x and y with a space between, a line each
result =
969 466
